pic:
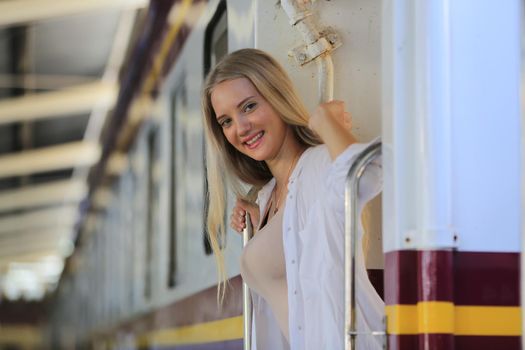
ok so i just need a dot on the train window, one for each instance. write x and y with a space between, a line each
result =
178 162
139 164
216 38
219 47
126 195
152 200
215 47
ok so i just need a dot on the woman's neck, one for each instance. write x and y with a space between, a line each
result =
282 166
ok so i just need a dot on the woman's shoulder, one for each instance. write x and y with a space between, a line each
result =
314 164
317 157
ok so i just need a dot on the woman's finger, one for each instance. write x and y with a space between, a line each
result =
238 215
347 121
235 221
250 208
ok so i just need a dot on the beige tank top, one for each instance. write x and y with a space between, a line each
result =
263 268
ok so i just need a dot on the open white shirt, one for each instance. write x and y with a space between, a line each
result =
313 239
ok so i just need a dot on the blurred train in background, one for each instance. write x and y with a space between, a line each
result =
439 85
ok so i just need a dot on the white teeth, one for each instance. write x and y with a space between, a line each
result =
252 141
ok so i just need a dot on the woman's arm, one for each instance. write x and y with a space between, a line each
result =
333 124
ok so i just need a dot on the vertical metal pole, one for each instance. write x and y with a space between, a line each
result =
247 234
351 236
522 91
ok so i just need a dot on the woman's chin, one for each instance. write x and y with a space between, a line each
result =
257 158
257 155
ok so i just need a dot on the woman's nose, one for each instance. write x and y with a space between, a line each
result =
243 125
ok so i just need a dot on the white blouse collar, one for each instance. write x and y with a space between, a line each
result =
266 191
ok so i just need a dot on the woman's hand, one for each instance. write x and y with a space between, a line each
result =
238 217
329 113
333 125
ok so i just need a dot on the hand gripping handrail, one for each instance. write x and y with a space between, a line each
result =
351 245
247 234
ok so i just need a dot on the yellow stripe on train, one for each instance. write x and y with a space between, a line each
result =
209 332
445 317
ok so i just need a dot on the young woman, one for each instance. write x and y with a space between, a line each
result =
260 134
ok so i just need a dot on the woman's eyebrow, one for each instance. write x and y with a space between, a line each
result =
238 105
246 99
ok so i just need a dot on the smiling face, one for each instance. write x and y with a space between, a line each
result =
248 121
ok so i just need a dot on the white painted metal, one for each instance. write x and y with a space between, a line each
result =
357 62
45 194
451 128
325 79
54 233
305 21
35 256
13 250
59 217
522 99
110 77
69 101
49 158
421 112
13 12
42 81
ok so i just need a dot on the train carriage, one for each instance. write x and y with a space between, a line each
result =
439 85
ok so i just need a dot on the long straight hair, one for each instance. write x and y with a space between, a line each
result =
226 166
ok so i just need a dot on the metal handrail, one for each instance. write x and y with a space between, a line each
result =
247 234
351 229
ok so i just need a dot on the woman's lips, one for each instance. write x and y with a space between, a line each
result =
254 141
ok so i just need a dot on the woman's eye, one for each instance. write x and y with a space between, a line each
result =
225 122
249 107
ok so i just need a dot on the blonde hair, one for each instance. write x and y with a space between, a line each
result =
226 165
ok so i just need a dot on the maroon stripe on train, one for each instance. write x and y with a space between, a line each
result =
401 277
436 341
197 308
403 342
433 341
487 279
435 275
479 278
487 343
